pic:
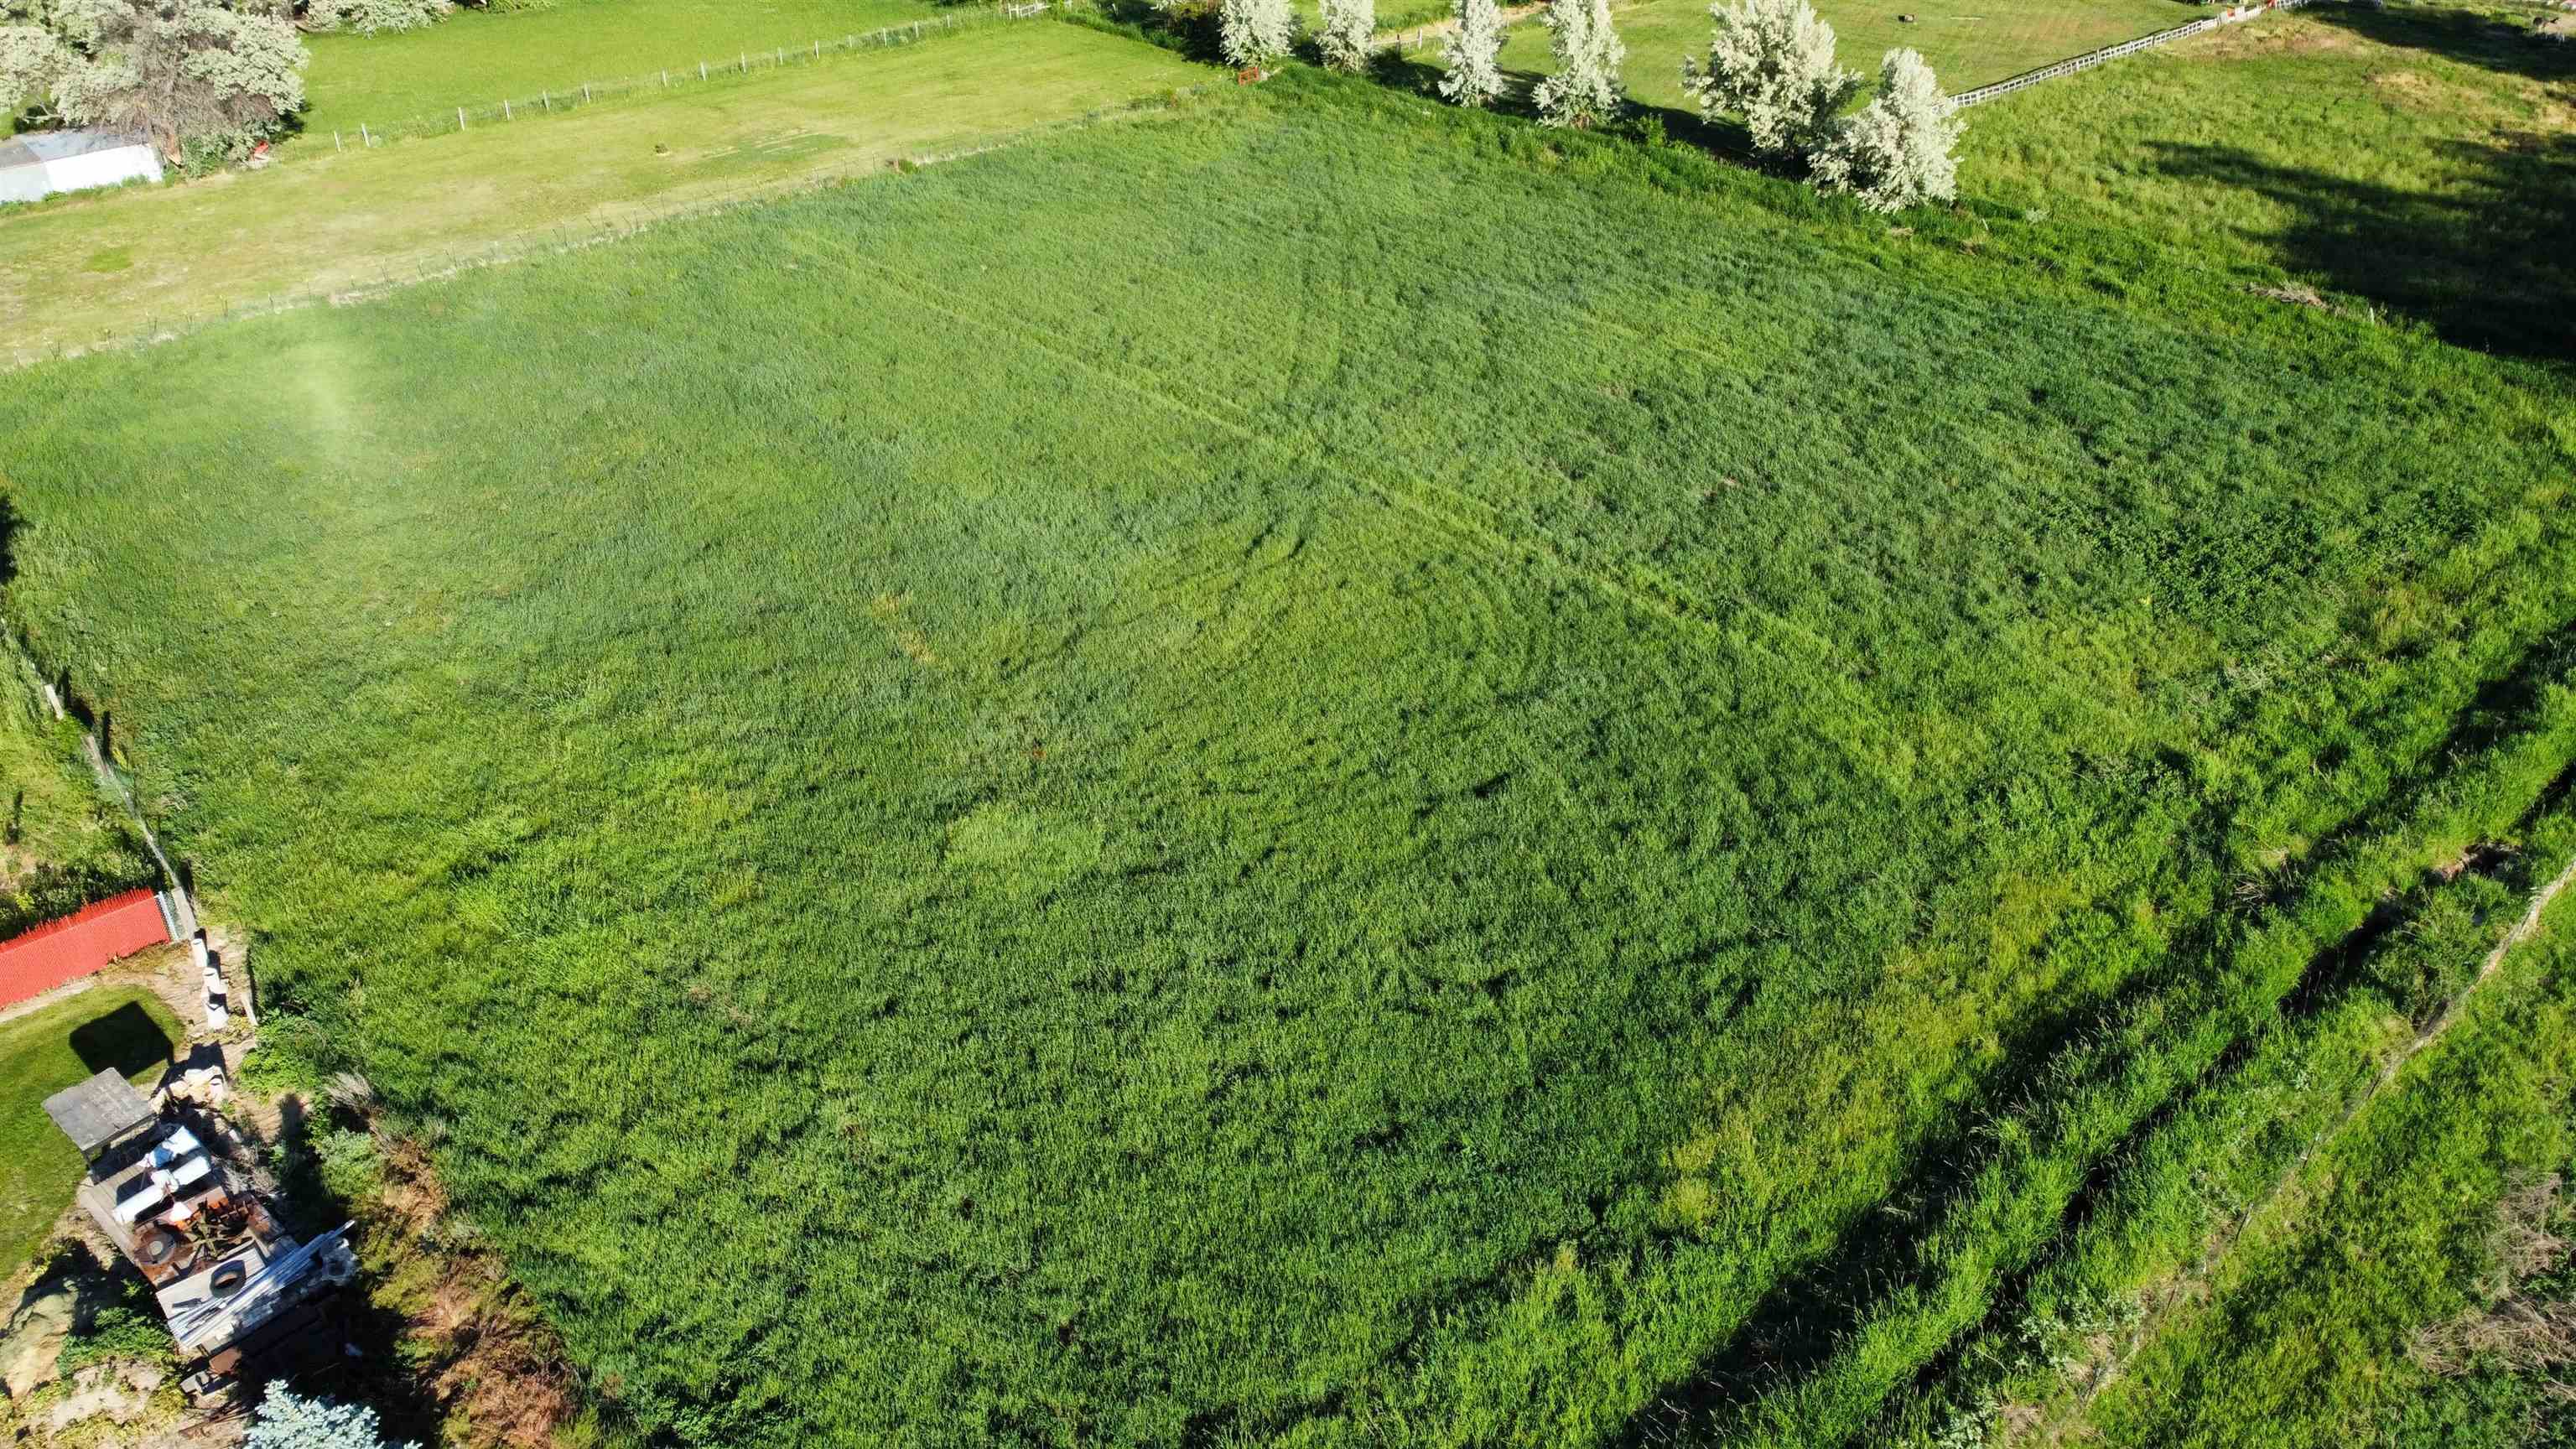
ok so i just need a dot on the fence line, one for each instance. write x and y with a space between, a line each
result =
553 241
1978 95
745 61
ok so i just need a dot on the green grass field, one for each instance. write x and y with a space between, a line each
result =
1968 42
393 80
1309 771
2419 159
114 265
42 1052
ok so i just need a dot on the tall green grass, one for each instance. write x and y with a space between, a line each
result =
1317 771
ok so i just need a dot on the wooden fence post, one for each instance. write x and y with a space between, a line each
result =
460 118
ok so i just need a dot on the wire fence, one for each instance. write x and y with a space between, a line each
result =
420 268
702 71
1980 94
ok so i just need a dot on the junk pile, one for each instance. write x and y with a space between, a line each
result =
246 1302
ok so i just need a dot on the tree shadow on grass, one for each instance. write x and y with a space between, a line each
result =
2485 41
125 1041
2487 265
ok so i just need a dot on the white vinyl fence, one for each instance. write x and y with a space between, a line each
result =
2091 58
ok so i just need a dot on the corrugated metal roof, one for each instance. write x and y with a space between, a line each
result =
38 147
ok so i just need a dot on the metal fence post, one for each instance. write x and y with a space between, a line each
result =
335 142
460 118
505 110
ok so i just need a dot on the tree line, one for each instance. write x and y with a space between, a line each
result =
1770 63
205 81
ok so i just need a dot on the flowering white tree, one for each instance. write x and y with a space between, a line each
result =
1899 151
1772 62
1584 91
369 16
1254 33
1348 27
210 75
1472 78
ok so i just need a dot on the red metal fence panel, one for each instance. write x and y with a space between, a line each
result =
63 951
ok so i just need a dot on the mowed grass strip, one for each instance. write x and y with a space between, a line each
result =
42 1051
1328 771
476 59
114 265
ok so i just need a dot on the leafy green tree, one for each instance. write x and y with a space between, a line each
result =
1772 62
200 79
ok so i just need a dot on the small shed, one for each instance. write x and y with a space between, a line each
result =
96 1113
40 163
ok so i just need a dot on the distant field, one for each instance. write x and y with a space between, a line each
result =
41 1053
1968 42
2420 157
470 59
111 265
1321 772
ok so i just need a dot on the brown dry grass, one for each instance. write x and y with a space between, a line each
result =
485 1357
2520 1333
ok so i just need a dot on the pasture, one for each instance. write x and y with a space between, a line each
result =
1968 42
1311 771
116 265
399 79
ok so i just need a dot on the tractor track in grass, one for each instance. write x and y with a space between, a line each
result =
2195 1284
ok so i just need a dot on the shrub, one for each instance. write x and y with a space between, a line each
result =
1472 78
1772 62
369 16
1584 91
288 1420
1900 150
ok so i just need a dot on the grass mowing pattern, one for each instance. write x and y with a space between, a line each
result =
42 1052
362 218
1321 767
390 80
